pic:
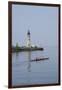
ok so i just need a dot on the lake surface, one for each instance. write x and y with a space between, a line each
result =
25 72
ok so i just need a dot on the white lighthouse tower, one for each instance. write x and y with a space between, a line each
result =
28 39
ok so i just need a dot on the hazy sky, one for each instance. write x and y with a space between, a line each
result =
42 22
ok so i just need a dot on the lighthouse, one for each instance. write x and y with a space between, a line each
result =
28 39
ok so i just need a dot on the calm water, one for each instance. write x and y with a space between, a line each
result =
42 72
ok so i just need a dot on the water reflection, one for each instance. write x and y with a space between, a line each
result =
17 55
27 61
29 58
26 72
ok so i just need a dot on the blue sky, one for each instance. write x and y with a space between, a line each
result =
42 22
